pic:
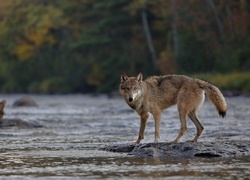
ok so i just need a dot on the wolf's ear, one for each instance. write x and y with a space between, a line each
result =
124 77
139 77
2 104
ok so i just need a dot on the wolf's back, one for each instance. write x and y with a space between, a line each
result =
215 95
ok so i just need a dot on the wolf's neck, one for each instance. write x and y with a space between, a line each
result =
140 101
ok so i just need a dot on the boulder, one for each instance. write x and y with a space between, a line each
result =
25 101
183 149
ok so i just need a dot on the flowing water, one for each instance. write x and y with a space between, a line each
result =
69 129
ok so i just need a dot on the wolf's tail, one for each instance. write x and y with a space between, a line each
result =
215 95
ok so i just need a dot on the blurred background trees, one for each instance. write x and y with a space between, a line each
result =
63 46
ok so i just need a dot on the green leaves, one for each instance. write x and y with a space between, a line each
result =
88 43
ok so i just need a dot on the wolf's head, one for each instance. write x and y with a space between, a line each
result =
131 87
2 105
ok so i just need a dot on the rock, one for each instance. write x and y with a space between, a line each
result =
123 148
185 149
25 101
18 123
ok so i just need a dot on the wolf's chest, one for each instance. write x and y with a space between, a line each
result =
138 106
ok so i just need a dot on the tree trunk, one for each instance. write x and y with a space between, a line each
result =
218 21
230 22
148 36
174 28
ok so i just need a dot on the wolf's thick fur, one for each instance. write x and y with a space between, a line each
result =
2 105
157 93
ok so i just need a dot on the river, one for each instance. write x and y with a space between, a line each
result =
67 131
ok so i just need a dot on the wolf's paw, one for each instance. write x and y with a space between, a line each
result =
156 140
193 140
175 141
135 142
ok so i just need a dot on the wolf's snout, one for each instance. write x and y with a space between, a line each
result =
130 99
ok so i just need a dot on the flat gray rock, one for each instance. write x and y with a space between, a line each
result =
184 149
18 123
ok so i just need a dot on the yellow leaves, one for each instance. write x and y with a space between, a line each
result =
40 36
35 38
24 51
38 31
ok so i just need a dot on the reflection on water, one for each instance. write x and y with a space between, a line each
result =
73 127
121 166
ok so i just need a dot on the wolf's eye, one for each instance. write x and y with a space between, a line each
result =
135 88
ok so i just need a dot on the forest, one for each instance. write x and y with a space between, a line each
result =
82 46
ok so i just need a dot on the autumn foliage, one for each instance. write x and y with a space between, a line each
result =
83 46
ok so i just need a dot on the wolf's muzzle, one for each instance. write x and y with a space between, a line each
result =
130 99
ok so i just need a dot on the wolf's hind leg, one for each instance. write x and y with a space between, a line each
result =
157 119
182 115
144 117
193 116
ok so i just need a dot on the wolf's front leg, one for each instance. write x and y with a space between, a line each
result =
157 119
144 117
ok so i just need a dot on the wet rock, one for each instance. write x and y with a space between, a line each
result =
25 101
186 149
147 152
123 148
18 123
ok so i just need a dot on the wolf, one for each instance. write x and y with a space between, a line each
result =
157 93
2 105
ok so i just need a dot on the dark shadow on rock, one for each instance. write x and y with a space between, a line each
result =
186 149
25 101
18 123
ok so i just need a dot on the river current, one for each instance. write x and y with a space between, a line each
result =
66 132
